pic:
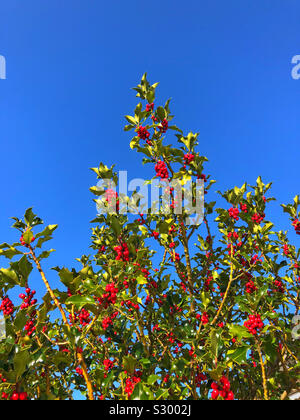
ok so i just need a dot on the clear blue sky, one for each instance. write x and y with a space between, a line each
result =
70 67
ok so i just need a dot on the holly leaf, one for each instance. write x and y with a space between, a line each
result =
80 301
238 356
21 359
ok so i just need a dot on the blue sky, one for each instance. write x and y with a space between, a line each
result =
70 67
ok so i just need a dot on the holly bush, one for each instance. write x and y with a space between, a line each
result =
161 309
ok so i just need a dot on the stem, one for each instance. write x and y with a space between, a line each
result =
227 290
51 293
188 263
86 376
263 371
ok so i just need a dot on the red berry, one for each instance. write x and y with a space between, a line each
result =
15 396
23 396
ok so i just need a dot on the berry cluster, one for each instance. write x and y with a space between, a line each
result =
296 224
244 208
189 158
176 257
199 378
174 309
102 249
19 396
108 364
234 213
145 272
171 338
279 286
233 235
28 298
222 390
24 243
150 107
250 287
30 327
166 379
163 126
172 230
112 198
122 252
79 371
143 133
202 176
204 318
156 328
258 218
130 384
254 259
110 297
286 250
254 324
130 305
4 395
84 317
207 283
155 235
161 170
108 321
7 306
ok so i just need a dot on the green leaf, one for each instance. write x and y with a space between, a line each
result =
145 362
238 356
217 373
161 113
27 237
21 360
141 280
152 379
239 332
116 225
97 191
134 142
131 119
66 277
129 364
45 254
20 320
205 299
143 229
29 216
10 276
215 342
25 268
48 231
162 394
80 301
10 253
